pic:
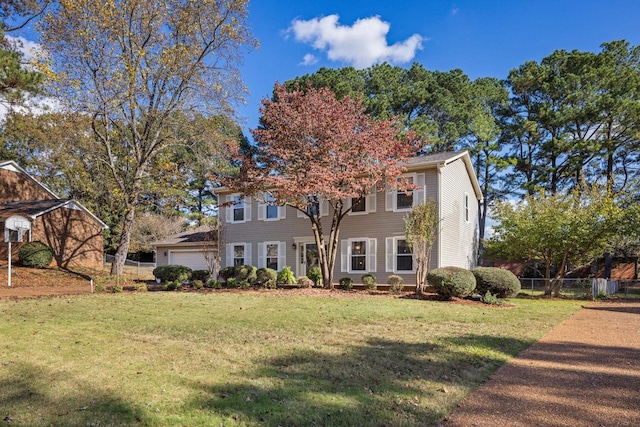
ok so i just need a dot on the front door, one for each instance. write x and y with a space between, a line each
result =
309 257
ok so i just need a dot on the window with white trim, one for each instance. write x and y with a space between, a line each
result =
404 199
239 208
238 254
404 255
398 200
358 255
268 210
358 204
466 207
399 256
272 255
362 205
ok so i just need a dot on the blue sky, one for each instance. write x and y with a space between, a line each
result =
483 38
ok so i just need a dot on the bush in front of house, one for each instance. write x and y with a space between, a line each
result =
304 282
266 277
172 285
452 282
346 283
396 283
170 273
369 282
226 273
245 273
315 274
35 254
497 281
286 277
201 275
213 283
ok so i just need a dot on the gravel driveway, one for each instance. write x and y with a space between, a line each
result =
585 372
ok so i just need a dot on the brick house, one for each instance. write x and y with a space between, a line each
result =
74 234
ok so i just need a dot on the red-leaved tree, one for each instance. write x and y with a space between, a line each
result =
314 148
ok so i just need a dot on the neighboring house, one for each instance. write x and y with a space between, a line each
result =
74 234
371 236
194 248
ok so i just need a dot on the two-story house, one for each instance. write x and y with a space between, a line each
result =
256 232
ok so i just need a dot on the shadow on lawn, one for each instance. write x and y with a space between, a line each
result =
381 383
31 397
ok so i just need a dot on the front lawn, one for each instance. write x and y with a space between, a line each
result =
253 358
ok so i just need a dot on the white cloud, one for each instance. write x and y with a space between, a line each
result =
28 48
455 11
309 59
363 44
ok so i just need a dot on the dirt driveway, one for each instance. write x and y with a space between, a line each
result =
585 372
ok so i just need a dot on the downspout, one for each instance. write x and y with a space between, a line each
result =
439 167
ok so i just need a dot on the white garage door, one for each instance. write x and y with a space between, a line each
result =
192 259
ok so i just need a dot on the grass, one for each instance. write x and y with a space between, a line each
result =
245 358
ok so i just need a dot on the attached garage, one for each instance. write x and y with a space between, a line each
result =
187 248
194 259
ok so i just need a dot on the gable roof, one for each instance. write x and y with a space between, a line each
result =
36 208
14 167
443 159
189 237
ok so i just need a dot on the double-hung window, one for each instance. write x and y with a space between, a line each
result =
238 209
272 255
238 254
399 255
399 198
358 255
404 199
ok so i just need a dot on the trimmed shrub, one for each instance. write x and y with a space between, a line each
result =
244 284
304 282
286 276
369 281
266 277
172 285
491 299
396 283
245 273
452 282
99 287
498 282
116 289
226 273
201 275
141 287
231 282
197 284
170 273
35 254
213 283
346 283
315 274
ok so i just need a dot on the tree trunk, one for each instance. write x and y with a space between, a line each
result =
125 240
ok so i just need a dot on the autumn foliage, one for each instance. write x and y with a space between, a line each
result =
314 148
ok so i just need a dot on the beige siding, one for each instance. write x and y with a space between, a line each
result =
458 237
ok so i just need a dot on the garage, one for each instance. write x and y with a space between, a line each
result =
187 248
194 259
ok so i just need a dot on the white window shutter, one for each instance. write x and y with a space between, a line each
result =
247 254
324 207
282 212
229 209
371 201
371 255
344 256
282 254
420 191
389 254
247 209
390 194
262 259
262 207
229 260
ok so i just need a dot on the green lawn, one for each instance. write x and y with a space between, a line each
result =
249 358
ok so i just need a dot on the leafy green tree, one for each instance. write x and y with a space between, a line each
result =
421 227
559 230
138 69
